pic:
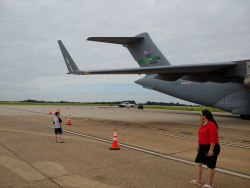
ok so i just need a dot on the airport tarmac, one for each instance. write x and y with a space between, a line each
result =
158 148
145 115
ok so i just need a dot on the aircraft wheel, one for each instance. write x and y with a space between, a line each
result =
245 117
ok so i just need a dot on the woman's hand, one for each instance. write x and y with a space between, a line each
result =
210 153
198 148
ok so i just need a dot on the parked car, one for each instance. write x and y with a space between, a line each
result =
126 104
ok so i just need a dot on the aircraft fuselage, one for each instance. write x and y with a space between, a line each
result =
225 96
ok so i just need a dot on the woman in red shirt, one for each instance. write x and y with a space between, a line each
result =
208 148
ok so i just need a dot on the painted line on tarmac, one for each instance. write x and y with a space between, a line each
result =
177 159
164 134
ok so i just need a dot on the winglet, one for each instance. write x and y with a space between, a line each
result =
68 60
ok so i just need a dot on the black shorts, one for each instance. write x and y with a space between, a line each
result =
206 160
58 131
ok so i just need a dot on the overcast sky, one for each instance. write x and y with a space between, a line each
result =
186 31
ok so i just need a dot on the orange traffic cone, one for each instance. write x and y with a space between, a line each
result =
58 109
91 107
114 145
69 121
68 107
50 111
150 108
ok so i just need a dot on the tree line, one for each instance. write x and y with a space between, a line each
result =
114 102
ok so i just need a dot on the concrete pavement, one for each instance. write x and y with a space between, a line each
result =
30 158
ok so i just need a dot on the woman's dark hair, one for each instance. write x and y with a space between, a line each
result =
209 116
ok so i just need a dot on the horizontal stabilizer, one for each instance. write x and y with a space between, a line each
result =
116 40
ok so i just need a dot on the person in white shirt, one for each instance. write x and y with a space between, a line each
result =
58 127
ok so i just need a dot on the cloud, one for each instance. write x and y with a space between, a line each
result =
185 31
48 82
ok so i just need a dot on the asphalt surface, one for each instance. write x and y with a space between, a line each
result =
30 158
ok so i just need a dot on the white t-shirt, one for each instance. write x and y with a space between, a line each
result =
57 122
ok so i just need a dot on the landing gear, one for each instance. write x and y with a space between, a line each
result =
245 117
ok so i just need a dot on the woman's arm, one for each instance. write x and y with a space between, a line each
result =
211 150
198 148
214 138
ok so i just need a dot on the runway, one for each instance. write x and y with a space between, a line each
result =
141 116
155 151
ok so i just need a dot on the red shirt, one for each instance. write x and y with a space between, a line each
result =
208 134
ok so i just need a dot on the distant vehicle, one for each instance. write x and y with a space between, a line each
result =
140 106
126 104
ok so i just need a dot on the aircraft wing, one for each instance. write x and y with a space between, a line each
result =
177 70
188 68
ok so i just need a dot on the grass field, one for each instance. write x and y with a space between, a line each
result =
57 104
145 106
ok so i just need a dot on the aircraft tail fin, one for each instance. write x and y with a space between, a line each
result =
68 60
141 47
146 53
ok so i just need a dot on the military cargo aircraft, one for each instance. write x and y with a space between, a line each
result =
223 85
